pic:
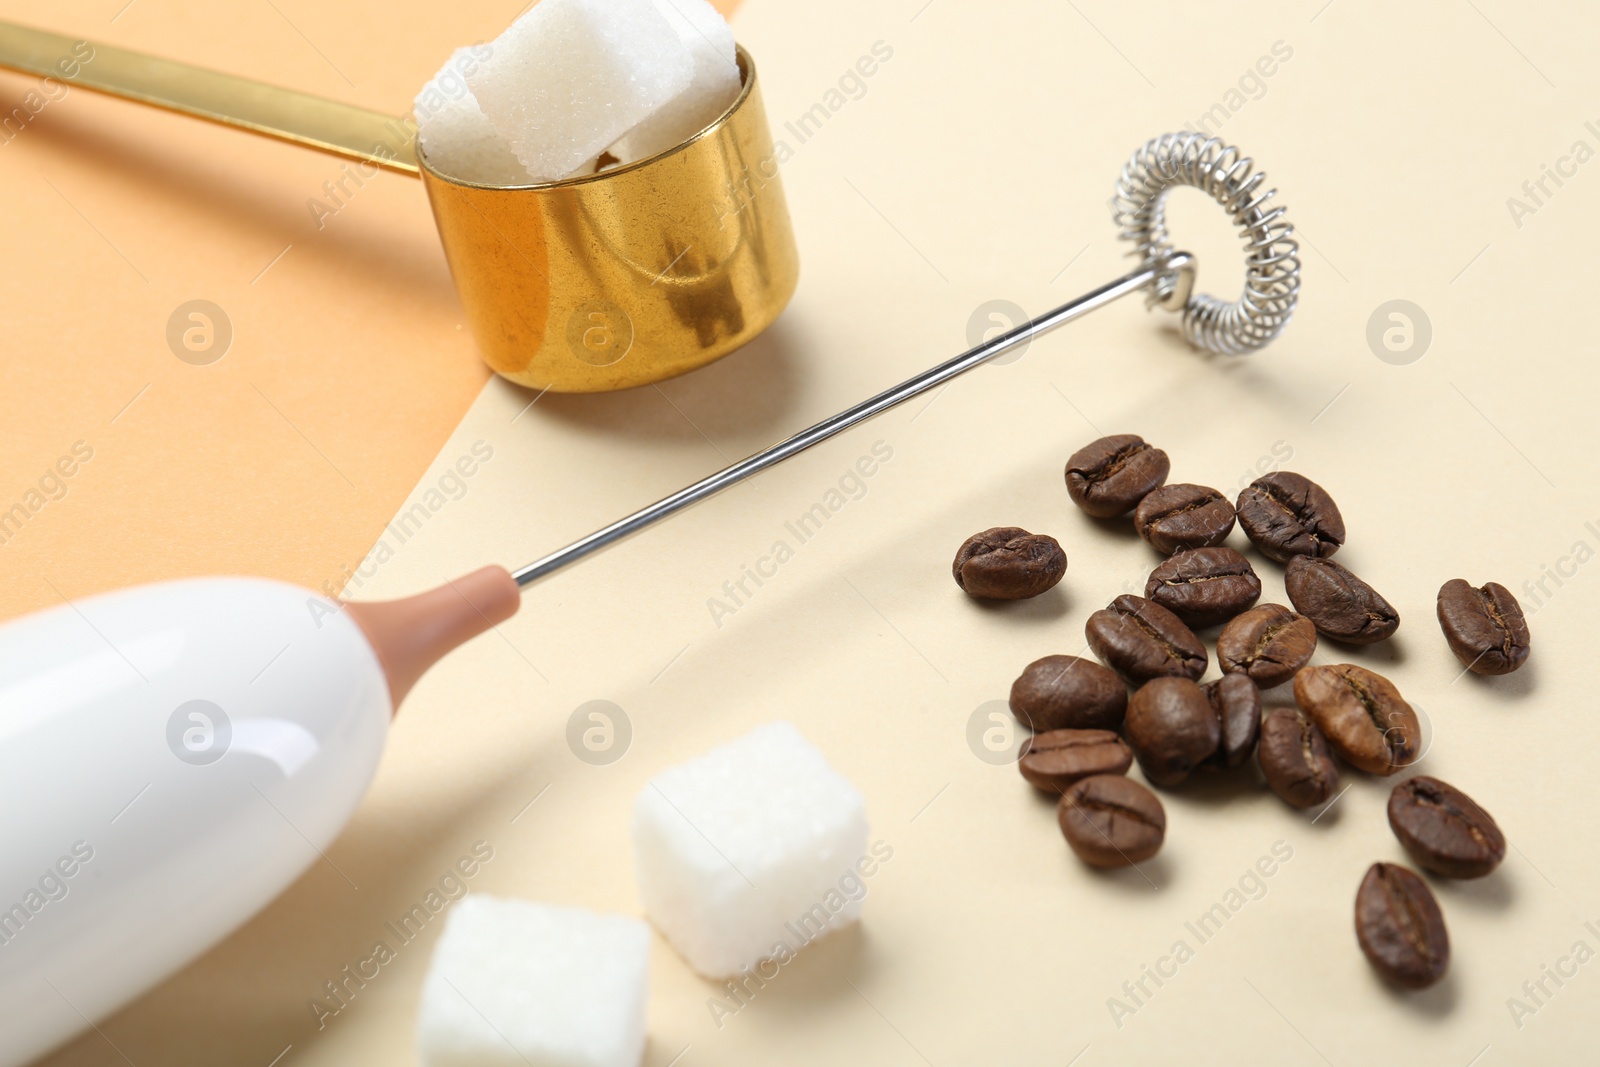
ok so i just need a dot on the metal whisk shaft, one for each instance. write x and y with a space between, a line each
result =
1272 284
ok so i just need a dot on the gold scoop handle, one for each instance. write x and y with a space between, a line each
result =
311 121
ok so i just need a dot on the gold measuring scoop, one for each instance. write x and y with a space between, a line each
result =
589 284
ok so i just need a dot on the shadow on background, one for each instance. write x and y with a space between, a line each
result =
222 191
750 391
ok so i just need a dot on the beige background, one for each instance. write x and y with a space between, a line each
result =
976 167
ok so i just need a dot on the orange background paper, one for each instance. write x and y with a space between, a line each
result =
350 362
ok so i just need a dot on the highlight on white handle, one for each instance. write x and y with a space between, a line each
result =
171 758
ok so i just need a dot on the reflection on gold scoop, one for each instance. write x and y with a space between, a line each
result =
590 284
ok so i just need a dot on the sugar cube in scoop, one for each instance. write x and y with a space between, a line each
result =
513 983
716 82
745 848
570 77
456 136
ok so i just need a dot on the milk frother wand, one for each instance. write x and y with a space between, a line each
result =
173 756
1272 283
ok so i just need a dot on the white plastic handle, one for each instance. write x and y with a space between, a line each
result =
171 758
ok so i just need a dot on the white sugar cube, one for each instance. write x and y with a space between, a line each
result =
749 852
716 82
456 135
513 983
572 76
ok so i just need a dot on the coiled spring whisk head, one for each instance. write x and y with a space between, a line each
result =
1272 263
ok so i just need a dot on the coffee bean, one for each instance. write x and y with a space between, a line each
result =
1183 516
1112 821
1204 586
1108 477
1294 759
1009 563
1362 714
1065 692
1236 702
1287 515
1140 641
1268 643
1485 627
1055 760
1172 729
1444 830
1400 927
1339 604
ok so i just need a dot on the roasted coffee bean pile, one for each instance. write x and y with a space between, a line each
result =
1088 730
